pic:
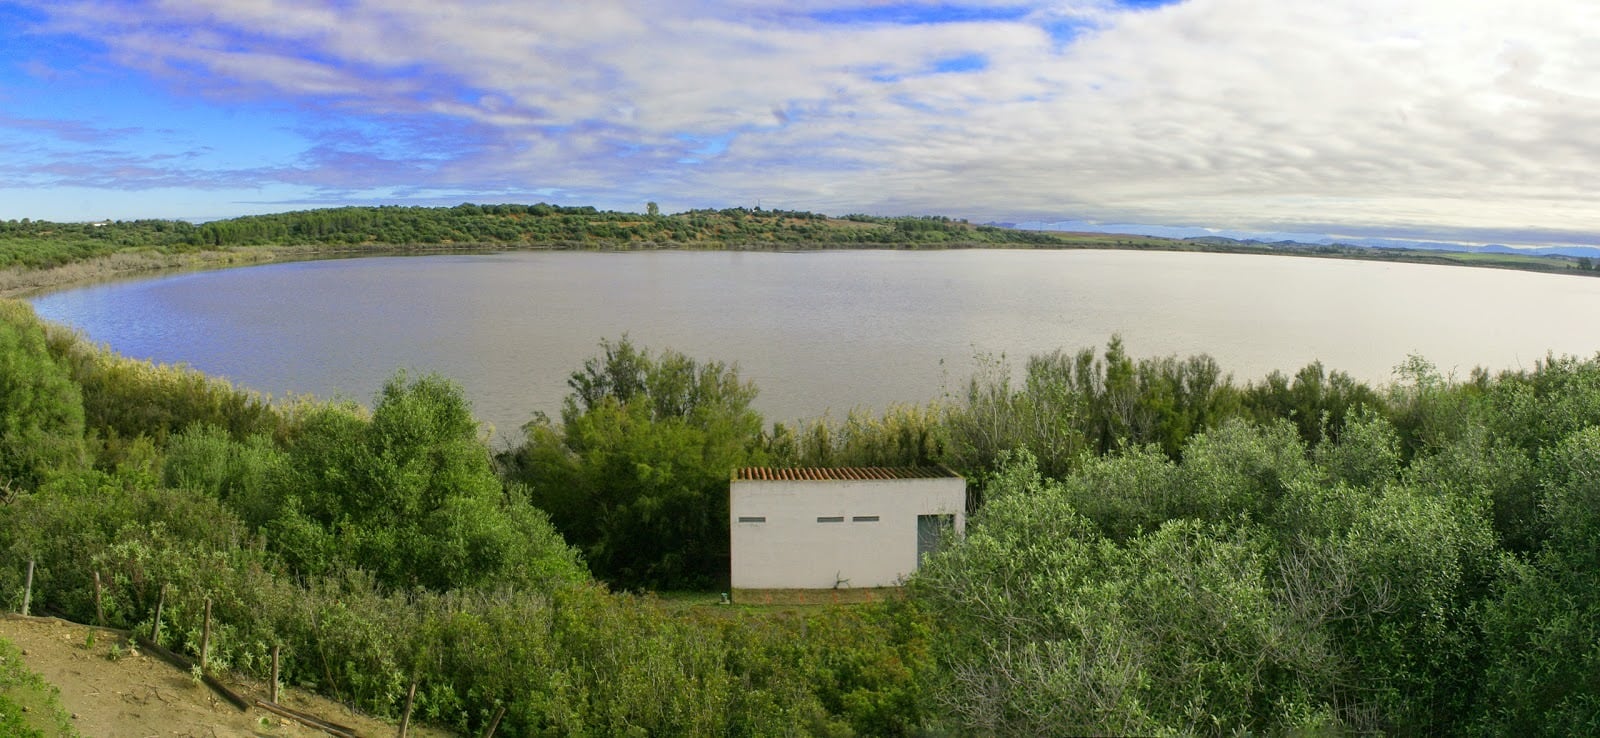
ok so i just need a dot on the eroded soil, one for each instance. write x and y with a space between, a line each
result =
141 696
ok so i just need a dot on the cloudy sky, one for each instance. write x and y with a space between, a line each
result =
1466 120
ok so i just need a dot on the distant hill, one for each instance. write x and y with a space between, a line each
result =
1388 243
28 244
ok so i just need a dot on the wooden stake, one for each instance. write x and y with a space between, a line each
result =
205 637
187 666
27 591
494 724
99 611
405 718
272 691
155 629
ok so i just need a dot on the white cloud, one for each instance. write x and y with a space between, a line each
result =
1228 113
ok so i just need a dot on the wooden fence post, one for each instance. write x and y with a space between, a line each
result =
27 590
494 724
99 610
272 692
205 637
155 628
405 718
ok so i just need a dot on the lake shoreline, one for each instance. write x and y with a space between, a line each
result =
819 333
22 282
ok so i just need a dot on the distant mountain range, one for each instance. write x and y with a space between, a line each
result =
1381 243
1371 243
1385 243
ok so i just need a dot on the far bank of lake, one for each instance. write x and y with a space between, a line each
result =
817 331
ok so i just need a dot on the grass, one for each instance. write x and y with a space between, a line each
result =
29 707
766 603
769 600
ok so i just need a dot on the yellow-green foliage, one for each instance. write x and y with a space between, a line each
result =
903 435
125 398
41 409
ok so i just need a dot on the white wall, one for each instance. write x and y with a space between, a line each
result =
791 550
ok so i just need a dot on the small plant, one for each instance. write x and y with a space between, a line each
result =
89 640
115 653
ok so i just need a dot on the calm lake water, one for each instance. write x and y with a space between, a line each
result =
819 331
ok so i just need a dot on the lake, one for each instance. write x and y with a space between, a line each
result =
817 331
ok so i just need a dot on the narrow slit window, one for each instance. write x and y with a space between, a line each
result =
752 518
830 518
864 519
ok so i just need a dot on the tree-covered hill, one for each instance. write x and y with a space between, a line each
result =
29 243
551 224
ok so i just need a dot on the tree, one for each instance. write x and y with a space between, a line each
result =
41 409
1317 401
1047 628
652 209
1542 631
637 473
410 495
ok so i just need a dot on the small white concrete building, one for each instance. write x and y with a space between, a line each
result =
827 528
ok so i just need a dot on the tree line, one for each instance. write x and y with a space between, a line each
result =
1154 548
32 244
35 244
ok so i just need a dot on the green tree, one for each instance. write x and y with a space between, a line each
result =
1073 404
41 409
1240 471
1542 630
1047 628
903 435
1316 401
637 473
410 495
1397 578
652 209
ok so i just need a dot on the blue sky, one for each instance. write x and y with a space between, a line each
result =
1458 120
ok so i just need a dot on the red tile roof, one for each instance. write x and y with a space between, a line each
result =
842 473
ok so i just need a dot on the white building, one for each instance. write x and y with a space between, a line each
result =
839 527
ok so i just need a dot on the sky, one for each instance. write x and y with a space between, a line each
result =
1471 121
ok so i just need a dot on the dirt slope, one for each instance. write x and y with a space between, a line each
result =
140 696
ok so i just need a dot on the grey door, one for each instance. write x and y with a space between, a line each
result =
931 530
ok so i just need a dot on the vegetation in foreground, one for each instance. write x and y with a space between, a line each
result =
1154 549
36 254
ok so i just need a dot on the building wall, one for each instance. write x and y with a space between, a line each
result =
790 549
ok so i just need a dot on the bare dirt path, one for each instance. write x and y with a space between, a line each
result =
141 696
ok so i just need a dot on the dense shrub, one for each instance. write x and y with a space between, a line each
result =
41 409
637 473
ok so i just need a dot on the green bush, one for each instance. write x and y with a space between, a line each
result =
41 409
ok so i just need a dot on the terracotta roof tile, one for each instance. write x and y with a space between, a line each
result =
840 473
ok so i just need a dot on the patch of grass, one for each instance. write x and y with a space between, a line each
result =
29 707
709 603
